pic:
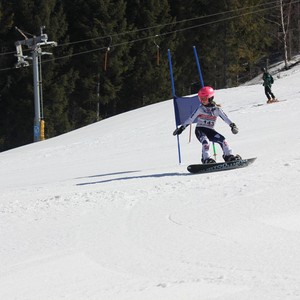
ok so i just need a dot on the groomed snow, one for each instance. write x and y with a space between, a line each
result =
106 212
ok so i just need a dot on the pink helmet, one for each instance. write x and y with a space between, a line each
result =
207 92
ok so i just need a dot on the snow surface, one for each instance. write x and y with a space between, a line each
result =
106 212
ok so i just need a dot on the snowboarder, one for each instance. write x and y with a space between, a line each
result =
206 115
268 81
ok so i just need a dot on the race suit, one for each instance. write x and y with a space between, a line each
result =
206 119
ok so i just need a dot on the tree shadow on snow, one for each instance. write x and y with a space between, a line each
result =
129 177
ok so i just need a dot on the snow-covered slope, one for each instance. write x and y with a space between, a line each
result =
106 212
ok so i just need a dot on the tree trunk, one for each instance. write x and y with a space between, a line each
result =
285 28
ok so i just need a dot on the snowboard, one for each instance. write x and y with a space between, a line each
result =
222 166
260 104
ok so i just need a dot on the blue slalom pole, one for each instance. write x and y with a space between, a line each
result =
171 72
198 66
174 95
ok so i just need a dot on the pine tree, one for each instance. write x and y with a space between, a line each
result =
112 56
58 74
29 16
246 39
99 24
149 80
13 106
197 25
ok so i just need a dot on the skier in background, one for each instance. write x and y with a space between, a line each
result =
206 115
268 81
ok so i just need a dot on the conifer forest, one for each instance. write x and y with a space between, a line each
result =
112 56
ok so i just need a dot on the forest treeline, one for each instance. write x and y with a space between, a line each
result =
111 56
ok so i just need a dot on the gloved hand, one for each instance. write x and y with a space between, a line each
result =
178 130
234 129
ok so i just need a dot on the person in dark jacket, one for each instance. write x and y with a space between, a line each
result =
268 81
